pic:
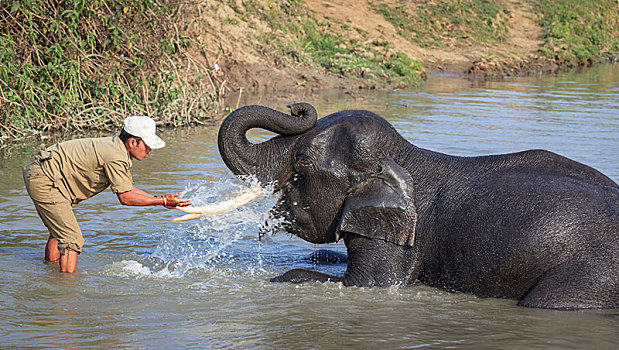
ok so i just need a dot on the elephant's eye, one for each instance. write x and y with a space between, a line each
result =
301 160
299 156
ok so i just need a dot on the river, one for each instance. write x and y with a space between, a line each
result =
145 281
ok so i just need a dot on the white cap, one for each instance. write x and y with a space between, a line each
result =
144 128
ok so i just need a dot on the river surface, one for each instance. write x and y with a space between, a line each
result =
145 281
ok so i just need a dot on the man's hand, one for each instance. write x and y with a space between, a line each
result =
172 200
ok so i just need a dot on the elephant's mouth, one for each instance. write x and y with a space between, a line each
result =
296 216
285 206
302 215
284 186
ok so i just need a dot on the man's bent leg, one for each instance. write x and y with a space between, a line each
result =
66 239
51 249
68 261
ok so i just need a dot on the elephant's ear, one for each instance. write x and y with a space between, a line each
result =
382 207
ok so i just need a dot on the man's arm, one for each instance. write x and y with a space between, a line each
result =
137 197
139 191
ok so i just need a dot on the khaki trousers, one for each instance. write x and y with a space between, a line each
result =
54 209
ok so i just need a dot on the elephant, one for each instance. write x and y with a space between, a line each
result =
531 226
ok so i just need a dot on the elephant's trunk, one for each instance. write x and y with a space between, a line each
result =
265 160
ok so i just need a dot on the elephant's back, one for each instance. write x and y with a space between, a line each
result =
528 201
542 162
495 233
362 122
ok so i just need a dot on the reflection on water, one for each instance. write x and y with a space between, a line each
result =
145 281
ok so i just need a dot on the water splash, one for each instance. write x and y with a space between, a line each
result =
215 240
231 241
132 269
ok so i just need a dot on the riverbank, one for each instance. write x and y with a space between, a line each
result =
74 66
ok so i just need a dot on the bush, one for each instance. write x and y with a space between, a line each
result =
78 64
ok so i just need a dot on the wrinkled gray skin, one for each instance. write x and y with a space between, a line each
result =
532 226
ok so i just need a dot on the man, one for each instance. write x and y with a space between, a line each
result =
69 172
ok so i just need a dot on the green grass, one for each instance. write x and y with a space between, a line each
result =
579 30
434 23
79 64
312 42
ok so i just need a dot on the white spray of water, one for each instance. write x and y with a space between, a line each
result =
209 242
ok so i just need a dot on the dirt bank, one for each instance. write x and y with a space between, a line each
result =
244 64
188 62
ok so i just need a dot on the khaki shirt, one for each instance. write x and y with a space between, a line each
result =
82 168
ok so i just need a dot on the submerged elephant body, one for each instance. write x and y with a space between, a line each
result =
532 226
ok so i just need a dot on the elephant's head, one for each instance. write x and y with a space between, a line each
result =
335 177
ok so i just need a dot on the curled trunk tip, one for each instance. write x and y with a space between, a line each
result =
264 160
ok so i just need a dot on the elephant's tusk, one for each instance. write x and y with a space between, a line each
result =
187 217
246 196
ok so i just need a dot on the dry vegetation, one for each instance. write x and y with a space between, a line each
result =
77 64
